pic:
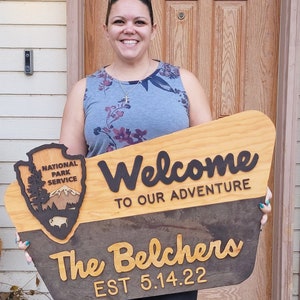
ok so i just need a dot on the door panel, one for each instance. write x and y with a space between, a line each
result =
232 47
181 21
229 40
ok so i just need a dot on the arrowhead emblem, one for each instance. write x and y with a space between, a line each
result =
53 186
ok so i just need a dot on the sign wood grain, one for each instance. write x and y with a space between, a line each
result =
173 214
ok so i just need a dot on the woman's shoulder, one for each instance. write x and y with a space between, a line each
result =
167 70
174 71
79 86
187 74
97 73
166 65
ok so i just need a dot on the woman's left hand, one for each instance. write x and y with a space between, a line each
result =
265 208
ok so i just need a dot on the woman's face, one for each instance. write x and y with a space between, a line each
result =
129 29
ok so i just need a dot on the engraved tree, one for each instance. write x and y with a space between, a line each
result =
37 194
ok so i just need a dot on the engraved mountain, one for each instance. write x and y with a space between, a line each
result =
59 213
63 198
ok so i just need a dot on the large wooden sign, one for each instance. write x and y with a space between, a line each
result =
173 214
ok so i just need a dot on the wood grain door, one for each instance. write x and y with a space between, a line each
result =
232 46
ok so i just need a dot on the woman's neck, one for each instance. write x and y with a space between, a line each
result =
132 71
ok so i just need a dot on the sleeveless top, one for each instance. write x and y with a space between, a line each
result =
157 105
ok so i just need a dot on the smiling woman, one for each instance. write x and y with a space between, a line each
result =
146 2
130 35
133 99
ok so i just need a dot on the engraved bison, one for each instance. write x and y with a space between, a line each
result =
58 221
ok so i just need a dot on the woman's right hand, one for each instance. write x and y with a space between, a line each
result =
23 246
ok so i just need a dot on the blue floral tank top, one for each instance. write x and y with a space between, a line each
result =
156 106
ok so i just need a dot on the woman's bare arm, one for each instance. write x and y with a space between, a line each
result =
72 128
199 110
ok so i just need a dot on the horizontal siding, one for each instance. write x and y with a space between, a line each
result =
18 149
8 238
297 219
45 60
23 12
3 188
296 259
41 83
7 173
295 285
26 280
298 170
29 128
31 109
33 36
297 200
32 105
296 254
14 260
298 129
5 222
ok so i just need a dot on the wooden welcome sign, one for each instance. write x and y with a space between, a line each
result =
174 214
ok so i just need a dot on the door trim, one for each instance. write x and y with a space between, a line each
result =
283 210
285 149
75 41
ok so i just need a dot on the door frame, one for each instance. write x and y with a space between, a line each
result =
286 130
285 150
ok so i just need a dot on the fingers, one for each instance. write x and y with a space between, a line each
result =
28 257
23 246
265 208
263 220
269 194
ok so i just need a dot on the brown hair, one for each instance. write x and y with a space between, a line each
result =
112 2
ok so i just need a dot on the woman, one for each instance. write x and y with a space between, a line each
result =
133 99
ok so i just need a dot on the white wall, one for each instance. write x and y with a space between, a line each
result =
30 108
296 256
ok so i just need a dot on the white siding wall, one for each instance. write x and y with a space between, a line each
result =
30 107
296 256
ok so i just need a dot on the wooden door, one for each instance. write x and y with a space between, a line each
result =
232 46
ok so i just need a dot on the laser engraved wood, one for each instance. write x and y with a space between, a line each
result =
173 214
